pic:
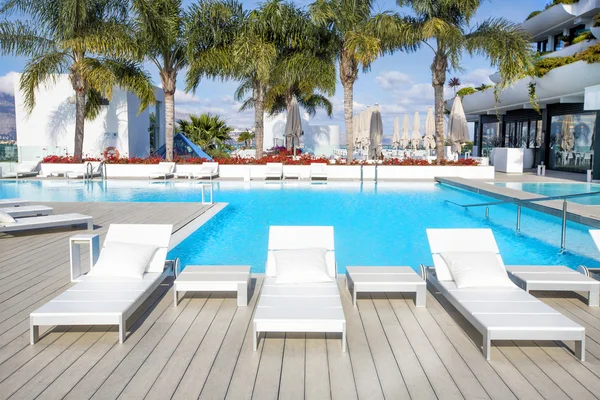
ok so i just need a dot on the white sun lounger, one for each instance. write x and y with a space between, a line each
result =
318 171
23 170
27 211
13 202
99 300
164 170
306 307
47 221
81 171
499 313
274 170
209 170
554 278
593 270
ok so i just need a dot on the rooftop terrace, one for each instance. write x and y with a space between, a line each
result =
203 347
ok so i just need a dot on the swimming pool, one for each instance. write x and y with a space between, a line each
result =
381 224
558 189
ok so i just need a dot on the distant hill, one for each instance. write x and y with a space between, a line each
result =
8 130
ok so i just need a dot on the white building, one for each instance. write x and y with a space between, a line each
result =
319 140
565 95
50 127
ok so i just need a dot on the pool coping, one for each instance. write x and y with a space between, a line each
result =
185 231
584 214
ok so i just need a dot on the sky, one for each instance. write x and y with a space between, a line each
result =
399 83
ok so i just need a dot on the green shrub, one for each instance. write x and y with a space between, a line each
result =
533 14
597 21
544 65
555 2
465 91
587 35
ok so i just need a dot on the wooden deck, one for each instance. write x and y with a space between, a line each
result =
203 348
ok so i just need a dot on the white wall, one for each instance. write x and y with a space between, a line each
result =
51 124
318 139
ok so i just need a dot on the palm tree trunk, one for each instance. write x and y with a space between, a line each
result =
259 111
79 86
438 74
79 123
169 80
348 104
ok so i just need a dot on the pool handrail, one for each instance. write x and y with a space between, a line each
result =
519 202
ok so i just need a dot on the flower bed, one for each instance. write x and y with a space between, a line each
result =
68 160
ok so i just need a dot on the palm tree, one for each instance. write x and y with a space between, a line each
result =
359 38
503 43
210 132
160 37
246 137
453 83
91 43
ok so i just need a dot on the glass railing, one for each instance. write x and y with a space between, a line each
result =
8 153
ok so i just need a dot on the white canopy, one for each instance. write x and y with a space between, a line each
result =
458 128
429 138
415 139
405 139
396 137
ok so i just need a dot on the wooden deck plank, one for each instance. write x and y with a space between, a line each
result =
293 368
316 368
268 377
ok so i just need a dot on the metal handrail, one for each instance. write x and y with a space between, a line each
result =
516 201
89 172
519 202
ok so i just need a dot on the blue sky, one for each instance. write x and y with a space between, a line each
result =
399 83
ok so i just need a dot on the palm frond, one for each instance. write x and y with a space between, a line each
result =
19 38
41 70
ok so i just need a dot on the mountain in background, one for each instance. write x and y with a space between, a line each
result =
8 128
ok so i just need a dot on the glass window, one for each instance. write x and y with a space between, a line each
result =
558 42
490 138
572 142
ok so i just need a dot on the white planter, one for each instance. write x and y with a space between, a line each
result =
48 169
130 170
508 160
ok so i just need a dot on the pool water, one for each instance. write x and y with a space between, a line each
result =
380 224
558 189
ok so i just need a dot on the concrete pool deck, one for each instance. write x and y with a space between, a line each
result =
584 214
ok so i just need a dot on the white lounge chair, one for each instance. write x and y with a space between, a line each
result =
23 170
274 170
302 306
109 300
13 202
593 270
47 221
27 211
318 171
164 170
498 312
209 170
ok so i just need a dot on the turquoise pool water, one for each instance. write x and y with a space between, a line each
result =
558 189
380 224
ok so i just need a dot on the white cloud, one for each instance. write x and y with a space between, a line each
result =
477 77
7 83
184 97
390 80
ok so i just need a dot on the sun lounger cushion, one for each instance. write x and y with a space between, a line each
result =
301 266
476 269
5 218
120 259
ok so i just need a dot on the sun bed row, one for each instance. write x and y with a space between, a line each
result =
300 291
18 215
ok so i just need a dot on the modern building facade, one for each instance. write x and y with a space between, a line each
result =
119 128
561 134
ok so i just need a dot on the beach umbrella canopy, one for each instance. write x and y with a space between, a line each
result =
429 138
405 139
366 136
568 140
415 139
458 128
293 125
396 136
361 124
376 133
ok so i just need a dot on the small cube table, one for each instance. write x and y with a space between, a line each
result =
214 278
75 242
554 278
386 279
